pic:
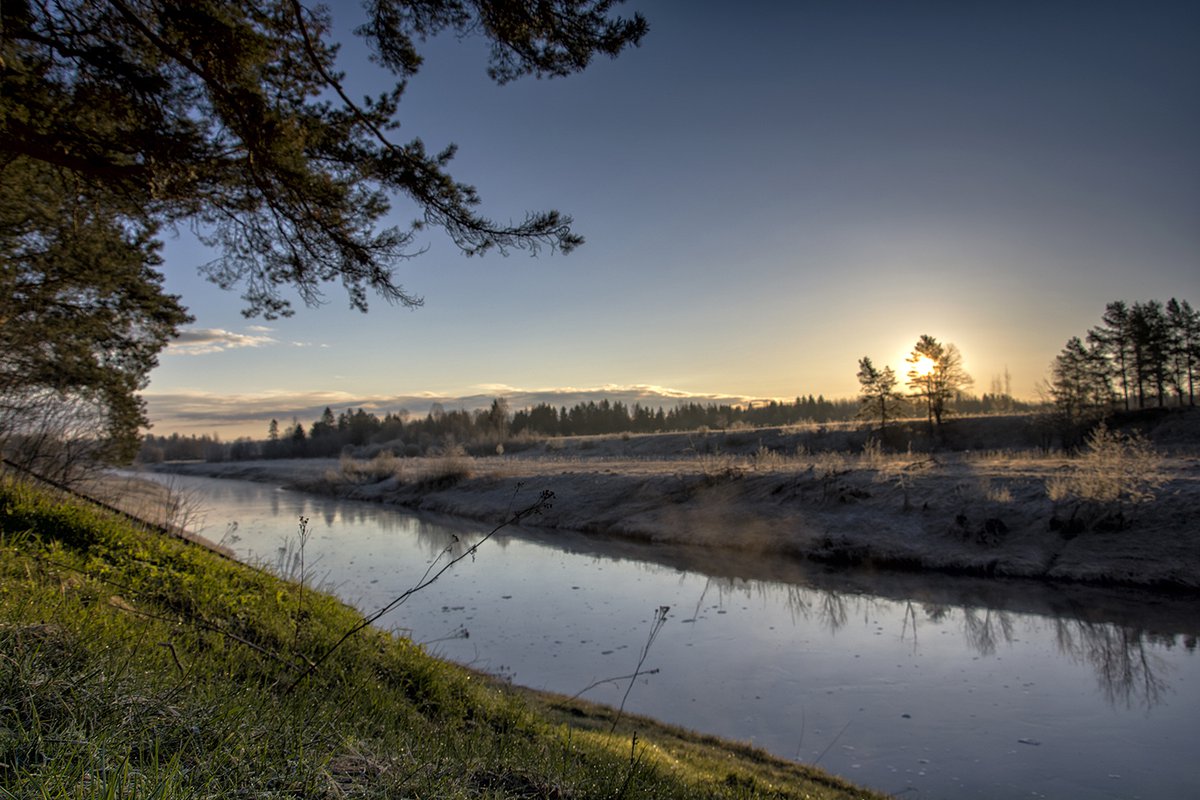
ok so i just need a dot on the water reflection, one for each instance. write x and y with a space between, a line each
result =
910 617
1122 655
1119 651
437 540
982 629
1128 671
938 674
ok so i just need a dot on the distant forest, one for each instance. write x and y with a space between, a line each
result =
1142 355
481 431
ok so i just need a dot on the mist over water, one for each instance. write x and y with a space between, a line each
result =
929 686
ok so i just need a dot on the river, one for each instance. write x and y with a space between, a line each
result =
916 685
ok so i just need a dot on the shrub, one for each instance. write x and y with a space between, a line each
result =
764 459
450 468
383 466
1113 469
998 494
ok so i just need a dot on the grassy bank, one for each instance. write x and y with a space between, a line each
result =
132 664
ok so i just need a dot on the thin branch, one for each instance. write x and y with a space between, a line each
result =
543 502
602 681
660 619
833 742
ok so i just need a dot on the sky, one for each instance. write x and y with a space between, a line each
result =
769 192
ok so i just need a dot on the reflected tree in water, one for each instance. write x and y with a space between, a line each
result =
910 616
700 600
985 631
796 600
936 612
439 542
831 607
1126 671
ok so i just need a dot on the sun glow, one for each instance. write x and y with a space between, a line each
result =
923 366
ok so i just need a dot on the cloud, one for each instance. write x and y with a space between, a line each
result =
202 341
250 414
644 394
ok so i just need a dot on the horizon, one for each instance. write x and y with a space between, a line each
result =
842 180
235 422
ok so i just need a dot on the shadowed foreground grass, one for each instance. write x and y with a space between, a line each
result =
133 665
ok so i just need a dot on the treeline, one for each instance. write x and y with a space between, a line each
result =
482 430
592 418
1142 356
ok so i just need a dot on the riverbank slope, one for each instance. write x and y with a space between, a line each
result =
141 665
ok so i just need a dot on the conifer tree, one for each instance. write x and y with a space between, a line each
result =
878 398
232 114
1183 326
1115 340
1080 380
83 315
119 117
1151 342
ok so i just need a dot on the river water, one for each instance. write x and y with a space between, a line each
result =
916 685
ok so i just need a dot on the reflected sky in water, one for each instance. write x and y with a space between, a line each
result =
915 685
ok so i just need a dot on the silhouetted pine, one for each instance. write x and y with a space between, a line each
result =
1145 353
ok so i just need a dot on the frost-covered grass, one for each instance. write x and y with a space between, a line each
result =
1111 469
990 509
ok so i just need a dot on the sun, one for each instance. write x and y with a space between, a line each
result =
923 366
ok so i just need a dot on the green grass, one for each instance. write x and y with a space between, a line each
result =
134 665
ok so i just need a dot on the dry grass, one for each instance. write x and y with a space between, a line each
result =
452 467
764 459
997 494
994 456
1112 469
355 471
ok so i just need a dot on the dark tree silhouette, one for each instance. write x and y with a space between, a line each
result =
118 117
1115 340
82 316
1151 351
1136 357
1080 381
936 376
879 397
233 115
1183 331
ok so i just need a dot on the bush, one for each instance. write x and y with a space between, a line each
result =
449 469
383 466
1113 469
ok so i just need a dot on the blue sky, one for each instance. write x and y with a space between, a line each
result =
769 192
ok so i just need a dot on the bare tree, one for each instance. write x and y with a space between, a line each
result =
52 434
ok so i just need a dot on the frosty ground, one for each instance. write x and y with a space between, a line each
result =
823 493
